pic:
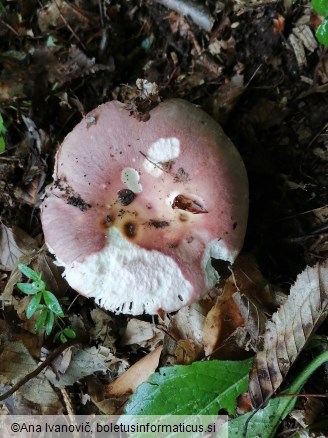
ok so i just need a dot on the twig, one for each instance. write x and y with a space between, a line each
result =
52 356
68 26
198 13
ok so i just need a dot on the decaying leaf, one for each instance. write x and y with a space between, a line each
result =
51 273
83 363
55 13
306 417
14 243
15 363
102 328
289 330
110 398
138 373
76 65
187 326
245 301
223 101
220 323
300 39
142 333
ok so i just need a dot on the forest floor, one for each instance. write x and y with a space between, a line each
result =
259 71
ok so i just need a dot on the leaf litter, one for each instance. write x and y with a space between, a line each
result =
288 332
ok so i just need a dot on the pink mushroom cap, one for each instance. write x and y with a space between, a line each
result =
137 210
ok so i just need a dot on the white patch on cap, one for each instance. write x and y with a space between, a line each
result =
215 249
130 177
162 151
171 197
126 278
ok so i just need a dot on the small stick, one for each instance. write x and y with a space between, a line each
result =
199 14
52 356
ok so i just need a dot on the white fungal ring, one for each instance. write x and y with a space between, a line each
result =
130 177
159 152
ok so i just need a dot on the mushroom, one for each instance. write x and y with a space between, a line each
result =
137 210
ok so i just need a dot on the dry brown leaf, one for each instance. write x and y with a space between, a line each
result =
254 315
15 363
143 333
223 101
101 330
186 325
128 382
186 351
312 410
110 399
245 301
82 364
222 320
14 243
76 65
56 13
51 273
289 330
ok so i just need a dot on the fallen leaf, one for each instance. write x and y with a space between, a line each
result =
82 364
245 301
220 323
186 325
223 101
143 333
14 243
54 13
289 330
101 331
264 422
138 373
112 397
76 65
15 363
51 273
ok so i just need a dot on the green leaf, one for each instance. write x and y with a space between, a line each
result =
28 272
69 332
27 288
321 7
62 338
265 421
31 288
199 389
3 129
52 303
41 320
33 305
322 33
50 322
2 145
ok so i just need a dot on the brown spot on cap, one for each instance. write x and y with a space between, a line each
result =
78 202
107 219
158 224
130 229
125 196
